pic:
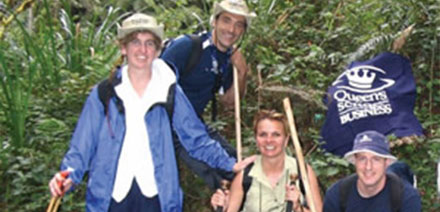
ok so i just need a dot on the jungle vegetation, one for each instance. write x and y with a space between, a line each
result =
54 51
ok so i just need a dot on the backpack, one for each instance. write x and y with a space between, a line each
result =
247 181
396 191
402 170
194 58
106 91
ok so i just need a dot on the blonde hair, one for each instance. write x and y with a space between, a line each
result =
271 115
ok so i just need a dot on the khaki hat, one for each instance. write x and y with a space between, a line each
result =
138 22
237 7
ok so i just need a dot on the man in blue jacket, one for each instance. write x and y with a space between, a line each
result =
123 138
212 73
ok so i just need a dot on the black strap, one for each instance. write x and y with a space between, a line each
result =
247 181
106 91
345 189
301 183
246 184
196 53
396 192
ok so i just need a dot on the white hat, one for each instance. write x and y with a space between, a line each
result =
137 22
237 7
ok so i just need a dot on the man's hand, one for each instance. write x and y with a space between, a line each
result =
239 62
239 166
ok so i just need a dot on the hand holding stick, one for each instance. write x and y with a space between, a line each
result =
299 154
224 187
293 178
56 200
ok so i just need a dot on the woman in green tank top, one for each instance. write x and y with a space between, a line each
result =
270 187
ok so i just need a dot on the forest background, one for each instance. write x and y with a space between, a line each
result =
54 51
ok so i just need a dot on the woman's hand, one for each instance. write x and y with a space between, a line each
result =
294 195
59 183
220 198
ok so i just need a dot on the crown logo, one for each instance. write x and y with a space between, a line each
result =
365 138
359 77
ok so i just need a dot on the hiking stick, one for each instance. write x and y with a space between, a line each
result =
237 114
57 204
51 204
54 204
299 155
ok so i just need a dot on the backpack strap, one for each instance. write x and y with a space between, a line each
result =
169 105
106 92
396 192
196 53
246 184
301 183
345 190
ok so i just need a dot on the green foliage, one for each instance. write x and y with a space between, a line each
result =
49 63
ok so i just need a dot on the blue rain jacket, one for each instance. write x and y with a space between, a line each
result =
98 138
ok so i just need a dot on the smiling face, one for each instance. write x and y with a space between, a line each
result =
228 28
371 170
271 138
140 51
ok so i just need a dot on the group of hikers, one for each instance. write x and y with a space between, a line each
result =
147 115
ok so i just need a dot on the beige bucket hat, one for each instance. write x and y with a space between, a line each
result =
137 22
237 7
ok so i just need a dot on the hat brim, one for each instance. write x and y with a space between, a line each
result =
349 156
218 8
158 31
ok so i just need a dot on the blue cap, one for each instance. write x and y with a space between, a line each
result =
373 142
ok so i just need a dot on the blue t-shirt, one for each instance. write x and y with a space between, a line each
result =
199 83
380 202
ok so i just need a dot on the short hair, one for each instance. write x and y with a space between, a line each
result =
271 115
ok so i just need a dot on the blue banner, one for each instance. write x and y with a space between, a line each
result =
377 94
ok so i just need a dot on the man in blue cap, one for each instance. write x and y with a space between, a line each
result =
371 188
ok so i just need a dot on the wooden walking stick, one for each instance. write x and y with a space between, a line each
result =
237 114
225 183
299 155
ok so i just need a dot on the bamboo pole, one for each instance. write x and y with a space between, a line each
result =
299 155
237 114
